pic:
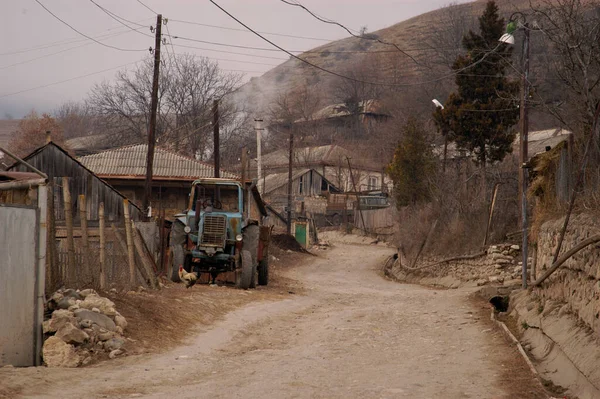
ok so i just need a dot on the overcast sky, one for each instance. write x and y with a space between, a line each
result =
38 50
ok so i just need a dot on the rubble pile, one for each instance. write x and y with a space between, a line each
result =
499 265
81 326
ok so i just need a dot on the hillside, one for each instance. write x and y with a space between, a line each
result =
432 39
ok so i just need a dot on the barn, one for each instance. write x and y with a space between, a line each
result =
57 163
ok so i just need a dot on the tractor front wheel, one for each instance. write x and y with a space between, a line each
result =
245 271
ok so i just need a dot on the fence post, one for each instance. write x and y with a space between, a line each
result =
52 265
130 248
102 247
70 272
84 236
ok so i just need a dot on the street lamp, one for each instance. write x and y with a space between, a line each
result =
517 21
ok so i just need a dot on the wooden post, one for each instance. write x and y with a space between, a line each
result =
130 245
144 257
121 240
85 238
70 272
51 270
491 215
102 247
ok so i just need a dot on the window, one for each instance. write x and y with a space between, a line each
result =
301 185
373 182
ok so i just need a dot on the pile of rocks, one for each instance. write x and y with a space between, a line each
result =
82 325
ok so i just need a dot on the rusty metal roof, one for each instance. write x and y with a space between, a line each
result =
130 163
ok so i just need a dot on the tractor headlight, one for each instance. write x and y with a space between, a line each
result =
187 229
239 237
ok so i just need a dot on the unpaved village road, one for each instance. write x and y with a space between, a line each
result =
353 334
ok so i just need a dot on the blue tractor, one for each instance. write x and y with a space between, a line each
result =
221 232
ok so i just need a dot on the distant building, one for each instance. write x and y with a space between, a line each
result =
332 162
172 175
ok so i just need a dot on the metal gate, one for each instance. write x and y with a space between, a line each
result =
20 280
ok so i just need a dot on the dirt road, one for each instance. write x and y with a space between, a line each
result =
353 334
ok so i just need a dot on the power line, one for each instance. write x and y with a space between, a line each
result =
350 78
151 10
348 30
68 80
55 53
59 52
74 39
229 52
245 31
83 34
118 19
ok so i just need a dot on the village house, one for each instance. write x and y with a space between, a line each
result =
172 175
334 163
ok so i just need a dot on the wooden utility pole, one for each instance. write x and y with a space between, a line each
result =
258 128
153 110
358 209
244 171
523 175
289 187
217 154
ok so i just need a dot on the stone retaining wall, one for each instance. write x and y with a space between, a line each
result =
498 266
576 282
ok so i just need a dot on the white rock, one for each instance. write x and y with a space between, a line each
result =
71 334
115 353
120 321
104 305
515 247
57 353
89 291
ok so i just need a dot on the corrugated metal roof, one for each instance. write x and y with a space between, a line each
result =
276 180
130 162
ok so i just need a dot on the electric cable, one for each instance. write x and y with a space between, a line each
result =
68 80
81 33
244 30
151 10
350 32
118 19
350 78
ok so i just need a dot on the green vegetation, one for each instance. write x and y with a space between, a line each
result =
413 166
481 114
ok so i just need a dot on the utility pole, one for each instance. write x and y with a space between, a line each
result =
153 109
289 188
524 150
358 208
217 154
259 129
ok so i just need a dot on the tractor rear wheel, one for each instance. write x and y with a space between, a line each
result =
263 271
244 273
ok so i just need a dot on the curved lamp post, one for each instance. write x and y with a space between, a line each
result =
518 21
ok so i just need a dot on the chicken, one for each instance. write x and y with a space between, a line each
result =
189 278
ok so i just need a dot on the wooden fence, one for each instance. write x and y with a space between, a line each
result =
102 256
377 221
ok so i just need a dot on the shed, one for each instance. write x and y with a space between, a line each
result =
57 163
172 174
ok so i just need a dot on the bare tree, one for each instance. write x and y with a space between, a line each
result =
75 119
187 87
572 30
